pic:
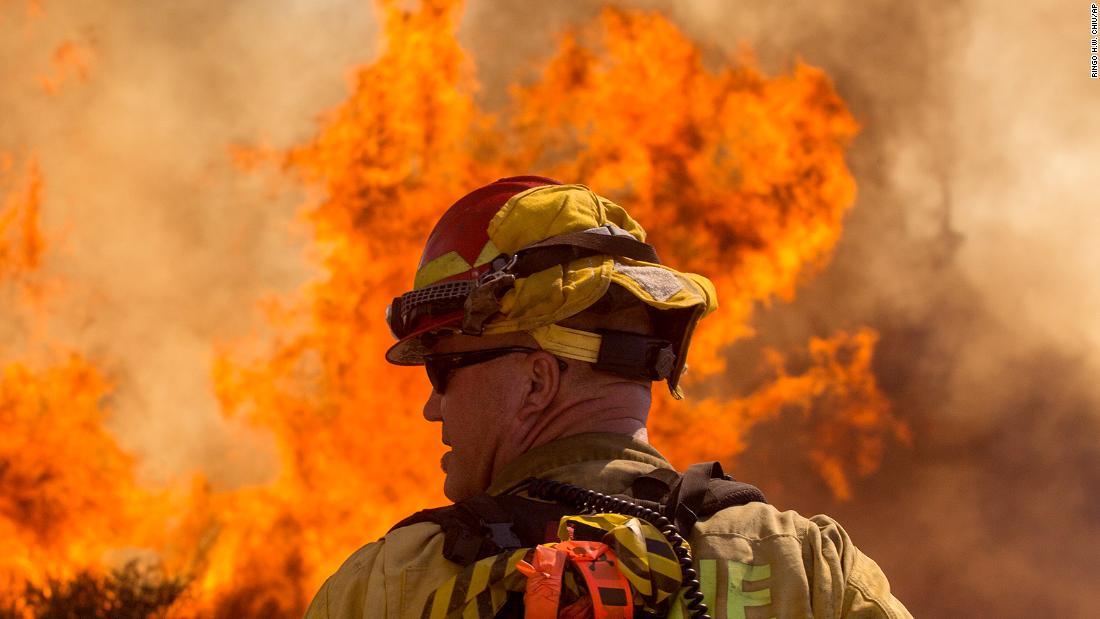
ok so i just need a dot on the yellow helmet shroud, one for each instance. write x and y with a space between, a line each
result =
551 251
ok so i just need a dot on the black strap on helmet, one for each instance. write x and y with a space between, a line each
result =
565 248
635 356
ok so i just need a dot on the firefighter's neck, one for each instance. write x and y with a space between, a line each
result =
620 407
597 404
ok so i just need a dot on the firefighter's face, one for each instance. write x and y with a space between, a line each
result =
488 409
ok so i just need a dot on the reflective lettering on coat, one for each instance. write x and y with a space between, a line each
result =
724 583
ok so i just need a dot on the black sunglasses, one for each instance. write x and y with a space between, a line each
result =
439 366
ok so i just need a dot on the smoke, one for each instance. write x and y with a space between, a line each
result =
163 245
969 248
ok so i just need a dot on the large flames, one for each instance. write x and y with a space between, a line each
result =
67 492
736 175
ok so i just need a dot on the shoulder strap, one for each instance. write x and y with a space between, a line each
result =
705 490
463 540
484 525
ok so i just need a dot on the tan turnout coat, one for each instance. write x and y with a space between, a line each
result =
753 560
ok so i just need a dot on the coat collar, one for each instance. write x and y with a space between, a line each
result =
563 458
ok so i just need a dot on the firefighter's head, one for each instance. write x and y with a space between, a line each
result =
538 312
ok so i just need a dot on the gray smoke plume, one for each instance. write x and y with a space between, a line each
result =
164 247
970 248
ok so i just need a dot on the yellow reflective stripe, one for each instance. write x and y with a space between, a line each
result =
676 611
599 521
664 566
441 597
488 581
737 599
708 580
442 267
569 343
646 558
630 548
513 579
479 580
488 252
499 596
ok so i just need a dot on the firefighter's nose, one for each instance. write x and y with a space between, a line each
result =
432 408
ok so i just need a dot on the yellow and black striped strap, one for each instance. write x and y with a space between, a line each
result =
645 556
479 590
646 559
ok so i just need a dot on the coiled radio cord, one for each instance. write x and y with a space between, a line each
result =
589 501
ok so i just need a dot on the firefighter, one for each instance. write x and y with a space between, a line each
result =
542 319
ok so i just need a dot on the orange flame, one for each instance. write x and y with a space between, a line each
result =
737 175
21 242
64 483
70 61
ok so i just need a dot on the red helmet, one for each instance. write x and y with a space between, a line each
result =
526 253
457 251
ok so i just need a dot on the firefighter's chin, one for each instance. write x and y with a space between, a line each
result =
457 481
451 484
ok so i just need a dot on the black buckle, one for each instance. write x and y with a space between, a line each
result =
483 302
503 535
635 356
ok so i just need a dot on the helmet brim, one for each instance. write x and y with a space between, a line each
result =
410 350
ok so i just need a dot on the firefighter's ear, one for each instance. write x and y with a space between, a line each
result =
543 374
